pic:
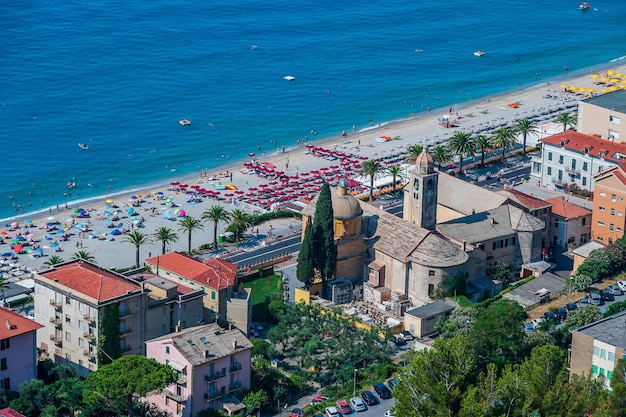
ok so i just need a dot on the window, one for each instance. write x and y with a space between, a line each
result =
620 199
3 364
584 166
573 164
431 273
212 295
556 224
614 119
601 208
600 223
584 221
167 349
549 156
498 244
596 351
613 197
594 369
619 229
68 336
613 135
81 342
431 289
5 383
611 356
611 227
612 211
549 170
68 318
81 324
602 353
560 175
601 371
584 181
560 159
609 375
4 344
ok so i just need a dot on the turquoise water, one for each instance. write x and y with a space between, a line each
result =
119 75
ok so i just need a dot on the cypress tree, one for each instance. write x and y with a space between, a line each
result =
305 268
325 250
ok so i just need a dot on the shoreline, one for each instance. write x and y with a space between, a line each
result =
399 123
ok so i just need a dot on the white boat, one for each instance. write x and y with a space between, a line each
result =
83 146
289 77
185 122
479 53
584 6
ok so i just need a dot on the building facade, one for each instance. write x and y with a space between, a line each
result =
18 350
609 205
571 224
602 116
572 159
72 300
213 366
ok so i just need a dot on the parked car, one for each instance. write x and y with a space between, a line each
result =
595 299
318 400
399 340
382 390
358 404
332 412
296 412
344 407
622 285
407 335
528 328
606 296
583 301
615 290
561 313
392 383
549 316
571 306
369 398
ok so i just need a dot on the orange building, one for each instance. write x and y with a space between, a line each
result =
609 204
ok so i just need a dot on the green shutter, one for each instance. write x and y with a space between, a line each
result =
594 369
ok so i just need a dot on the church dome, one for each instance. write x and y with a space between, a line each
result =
345 206
424 162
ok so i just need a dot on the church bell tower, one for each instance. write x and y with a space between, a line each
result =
420 200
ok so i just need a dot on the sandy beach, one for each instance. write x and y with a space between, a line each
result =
98 226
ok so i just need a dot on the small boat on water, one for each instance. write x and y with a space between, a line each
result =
479 53
289 77
185 122
83 146
584 6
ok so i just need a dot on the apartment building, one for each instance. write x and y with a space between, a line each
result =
602 116
213 366
216 277
77 303
597 346
609 205
573 158
18 350
570 224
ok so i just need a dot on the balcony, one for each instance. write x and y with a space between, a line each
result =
125 331
215 376
178 398
89 319
182 379
212 396
56 339
90 337
571 170
235 386
56 304
558 181
235 367
125 313
56 321
89 353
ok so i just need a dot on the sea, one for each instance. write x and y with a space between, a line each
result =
118 76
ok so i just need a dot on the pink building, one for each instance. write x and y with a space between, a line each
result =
214 366
18 350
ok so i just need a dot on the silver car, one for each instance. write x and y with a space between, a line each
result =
358 404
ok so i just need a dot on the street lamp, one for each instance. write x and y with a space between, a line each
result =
354 393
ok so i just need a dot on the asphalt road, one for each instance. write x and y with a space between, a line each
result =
266 251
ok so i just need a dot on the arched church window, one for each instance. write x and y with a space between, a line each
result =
429 185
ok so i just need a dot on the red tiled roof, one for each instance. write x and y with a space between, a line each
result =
85 278
9 412
577 142
526 200
12 324
215 273
617 171
565 209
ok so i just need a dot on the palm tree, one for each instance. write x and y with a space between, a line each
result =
371 168
482 143
567 120
54 260
216 214
137 238
396 172
83 255
414 151
463 144
525 127
239 221
189 224
441 155
165 235
503 138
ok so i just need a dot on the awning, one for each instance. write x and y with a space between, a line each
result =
176 366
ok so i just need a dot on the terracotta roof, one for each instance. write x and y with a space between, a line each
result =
215 273
528 201
618 171
577 142
88 279
9 412
567 210
12 324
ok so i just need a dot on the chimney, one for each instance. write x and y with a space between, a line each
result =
234 344
178 327
207 355
464 246
492 220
